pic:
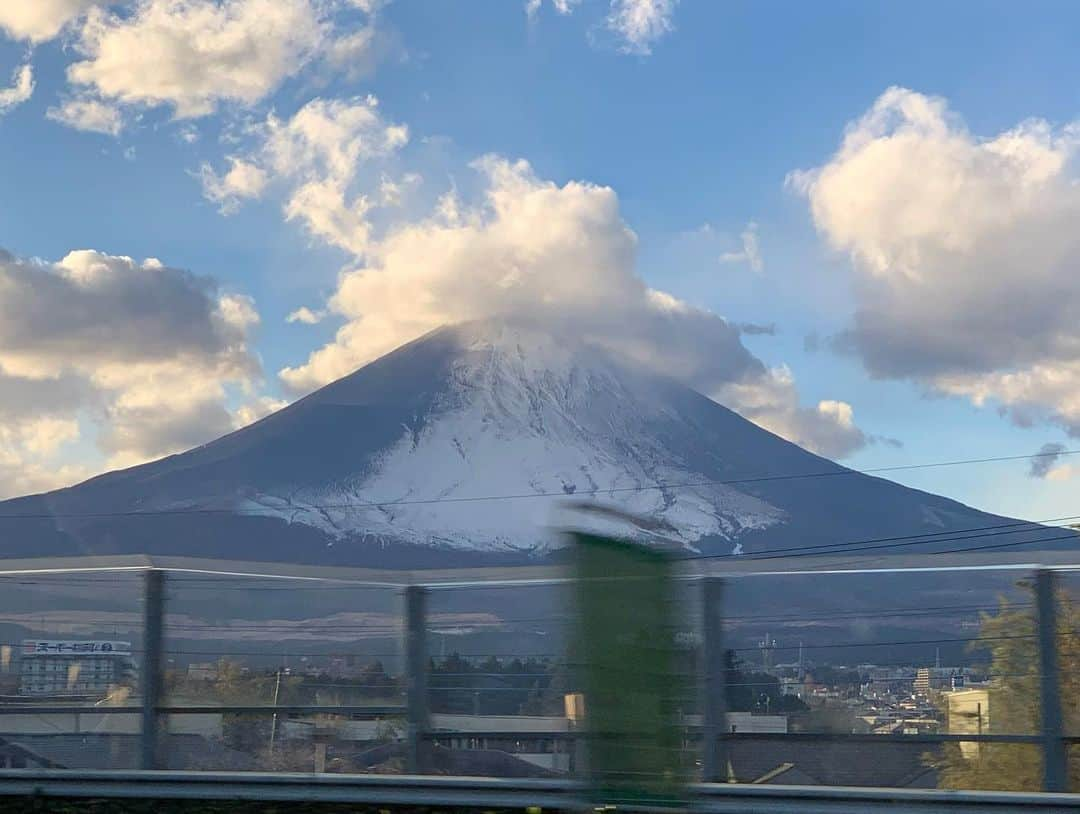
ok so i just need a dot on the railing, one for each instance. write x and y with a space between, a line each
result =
1052 740
488 794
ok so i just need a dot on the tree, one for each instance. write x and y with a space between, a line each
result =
751 691
1011 637
838 677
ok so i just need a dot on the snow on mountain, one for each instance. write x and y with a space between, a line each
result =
394 465
522 414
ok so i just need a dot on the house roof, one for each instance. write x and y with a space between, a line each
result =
473 762
97 750
886 764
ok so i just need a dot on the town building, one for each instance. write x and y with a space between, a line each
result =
84 668
922 681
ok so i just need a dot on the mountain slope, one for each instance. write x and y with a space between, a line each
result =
395 465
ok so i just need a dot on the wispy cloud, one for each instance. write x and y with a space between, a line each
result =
21 89
640 23
750 254
88 114
1044 464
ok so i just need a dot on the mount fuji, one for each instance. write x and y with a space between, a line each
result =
459 448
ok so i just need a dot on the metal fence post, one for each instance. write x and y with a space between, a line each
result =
416 665
713 683
1055 758
150 674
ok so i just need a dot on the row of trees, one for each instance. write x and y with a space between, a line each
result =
537 687
497 686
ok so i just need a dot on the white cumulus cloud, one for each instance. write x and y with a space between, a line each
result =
41 20
194 55
319 155
965 251
143 354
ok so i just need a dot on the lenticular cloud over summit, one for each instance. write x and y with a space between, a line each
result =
563 256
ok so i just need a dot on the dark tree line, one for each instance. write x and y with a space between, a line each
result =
496 687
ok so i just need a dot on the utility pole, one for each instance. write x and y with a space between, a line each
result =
273 723
766 645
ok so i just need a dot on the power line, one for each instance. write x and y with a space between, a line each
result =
839 472
938 536
887 543
900 643
795 552
989 547
1072 536
202 583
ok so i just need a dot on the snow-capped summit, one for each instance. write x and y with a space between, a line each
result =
461 446
521 415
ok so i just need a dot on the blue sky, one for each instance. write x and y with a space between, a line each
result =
694 125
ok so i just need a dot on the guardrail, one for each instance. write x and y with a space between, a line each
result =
1052 738
489 794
